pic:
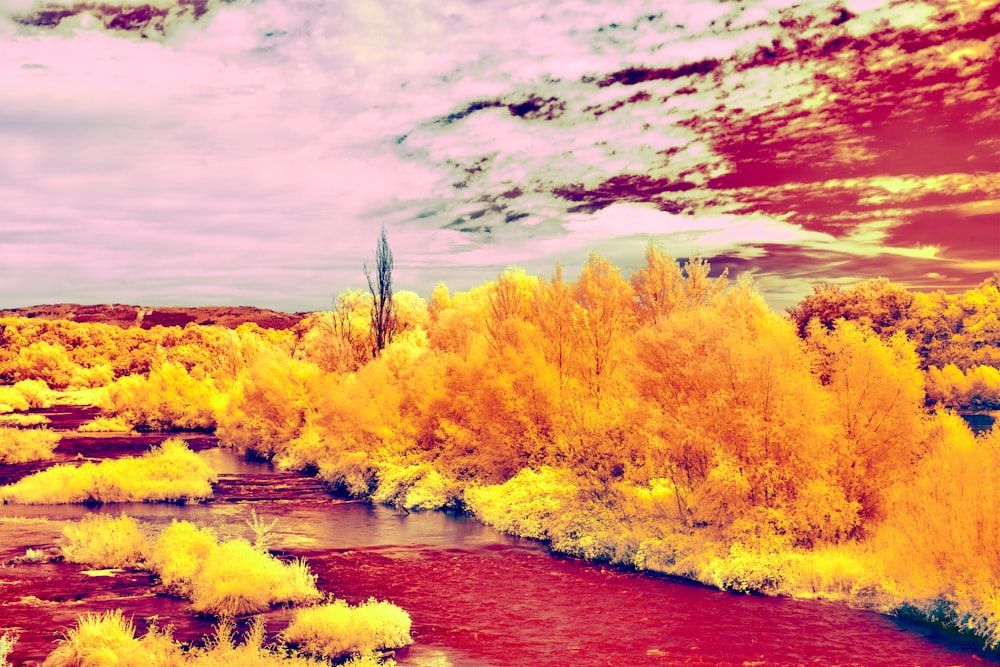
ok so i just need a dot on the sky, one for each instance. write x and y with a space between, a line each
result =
248 152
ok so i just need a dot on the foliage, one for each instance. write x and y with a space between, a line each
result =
413 487
11 400
35 392
21 420
7 641
110 639
528 504
104 541
106 425
960 331
226 578
169 472
665 419
168 397
20 445
338 629
268 404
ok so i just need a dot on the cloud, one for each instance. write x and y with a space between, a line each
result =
221 150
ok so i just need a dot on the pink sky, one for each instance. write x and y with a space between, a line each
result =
202 152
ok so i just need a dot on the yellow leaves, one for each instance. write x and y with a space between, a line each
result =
941 537
226 578
104 541
337 629
170 472
20 445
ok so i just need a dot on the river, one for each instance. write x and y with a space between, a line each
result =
477 598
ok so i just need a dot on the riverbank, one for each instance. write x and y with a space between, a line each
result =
476 597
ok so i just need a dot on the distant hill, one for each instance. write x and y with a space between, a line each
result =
146 317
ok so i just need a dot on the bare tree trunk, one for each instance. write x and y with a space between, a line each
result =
383 320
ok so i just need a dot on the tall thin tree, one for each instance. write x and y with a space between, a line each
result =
383 318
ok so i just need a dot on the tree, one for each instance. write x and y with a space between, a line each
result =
607 316
383 316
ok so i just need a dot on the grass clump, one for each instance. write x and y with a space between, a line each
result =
109 639
105 425
337 629
20 446
7 641
104 541
170 472
228 578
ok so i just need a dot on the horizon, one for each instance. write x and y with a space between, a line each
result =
222 153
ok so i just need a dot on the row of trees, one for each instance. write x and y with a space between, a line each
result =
956 336
671 416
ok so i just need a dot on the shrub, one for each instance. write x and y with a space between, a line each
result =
105 425
223 651
7 641
24 421
351 472
177 554
101 540
35 392
109 639
236 579
414 487
337 629
169 472
228 578
169 397
11 400
20 446
747 569
528 504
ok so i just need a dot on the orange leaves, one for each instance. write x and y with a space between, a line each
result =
877 397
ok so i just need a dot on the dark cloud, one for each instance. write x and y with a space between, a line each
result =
145 20
631 76
623 188
527 106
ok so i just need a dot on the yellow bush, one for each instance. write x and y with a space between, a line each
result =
231 578
169 397
178 552
102 540
337 629
223 651
20 446
35 392
414 487
352 472
236 579
101 640
169 472
11 400
528 504
24 421
105 425
7 641
109 639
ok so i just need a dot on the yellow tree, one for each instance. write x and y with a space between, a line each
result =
736 422
558 316
658 286
607 317
877 395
